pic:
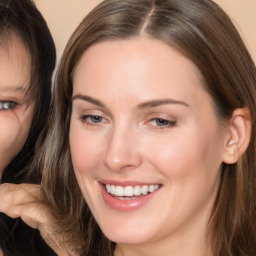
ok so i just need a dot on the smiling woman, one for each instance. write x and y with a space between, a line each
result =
158 104
121 132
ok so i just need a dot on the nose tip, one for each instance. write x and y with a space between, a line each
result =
122 154
117 164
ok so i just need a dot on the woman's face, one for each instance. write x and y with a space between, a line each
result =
145 142
16 110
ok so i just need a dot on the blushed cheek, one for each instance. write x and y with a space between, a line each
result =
85 152
184 157
169 155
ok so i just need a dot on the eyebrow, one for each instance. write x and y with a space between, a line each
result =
89 99
16 89
159 102
148 104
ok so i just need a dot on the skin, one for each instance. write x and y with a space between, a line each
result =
128 144
16 118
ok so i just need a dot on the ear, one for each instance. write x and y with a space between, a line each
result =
238 137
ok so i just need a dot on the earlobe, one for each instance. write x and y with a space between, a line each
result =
239 134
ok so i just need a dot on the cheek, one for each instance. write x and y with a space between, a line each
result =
186 154
14 129
13 135
190 167
85 149
8 147
86 152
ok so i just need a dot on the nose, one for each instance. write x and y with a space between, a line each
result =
122 151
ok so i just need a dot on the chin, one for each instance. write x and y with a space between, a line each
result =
122 235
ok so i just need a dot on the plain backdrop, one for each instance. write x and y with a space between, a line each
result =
63 16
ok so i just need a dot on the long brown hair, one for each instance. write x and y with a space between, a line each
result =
201 31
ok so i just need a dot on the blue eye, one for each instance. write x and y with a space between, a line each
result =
7 105
95 119
162 123
92 119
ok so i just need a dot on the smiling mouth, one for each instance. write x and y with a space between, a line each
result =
130 192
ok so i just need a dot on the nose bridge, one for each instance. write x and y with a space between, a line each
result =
122 151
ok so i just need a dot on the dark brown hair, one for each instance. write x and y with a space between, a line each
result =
202 32
21 17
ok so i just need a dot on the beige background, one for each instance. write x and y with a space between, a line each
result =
63 16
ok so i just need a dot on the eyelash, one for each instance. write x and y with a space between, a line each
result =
84 119
164 123
96 120
7 105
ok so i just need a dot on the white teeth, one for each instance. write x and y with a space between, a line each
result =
130 191
152 188
108 187
112 189
144 190
119 191
137 191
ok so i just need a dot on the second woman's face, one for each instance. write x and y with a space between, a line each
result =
16 110
145 142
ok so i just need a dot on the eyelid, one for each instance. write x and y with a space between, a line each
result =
165 123
158 115
80 108
83 117
86 117
170 121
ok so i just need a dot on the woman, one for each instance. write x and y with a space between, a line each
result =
27 60
155 108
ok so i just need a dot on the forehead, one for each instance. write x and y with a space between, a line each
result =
145 64
15 64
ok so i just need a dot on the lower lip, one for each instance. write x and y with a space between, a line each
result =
126 205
